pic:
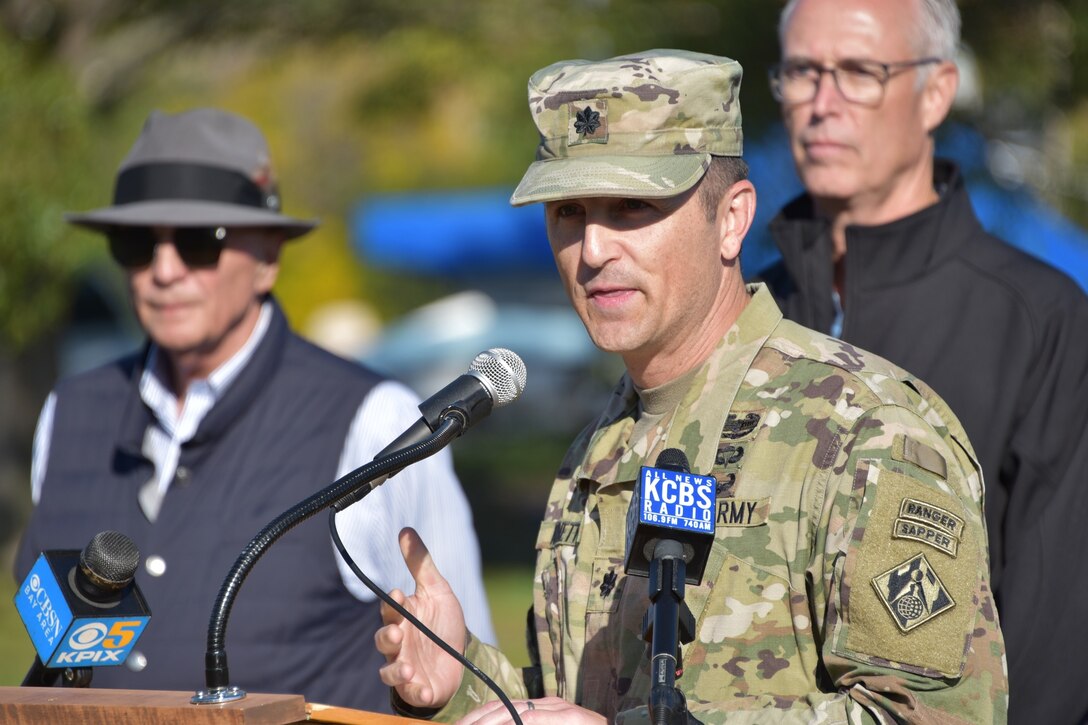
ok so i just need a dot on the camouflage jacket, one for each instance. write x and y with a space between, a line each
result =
848 580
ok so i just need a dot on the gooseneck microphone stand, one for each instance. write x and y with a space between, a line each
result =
667 623
352 486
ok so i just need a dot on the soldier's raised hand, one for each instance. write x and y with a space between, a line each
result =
423 674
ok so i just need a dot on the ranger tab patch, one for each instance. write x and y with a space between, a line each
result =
913 593
927 513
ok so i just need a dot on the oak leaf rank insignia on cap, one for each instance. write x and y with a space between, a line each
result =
590 124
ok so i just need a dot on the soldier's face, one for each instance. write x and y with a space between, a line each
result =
850 153
647 276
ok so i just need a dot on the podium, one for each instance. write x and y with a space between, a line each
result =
89 706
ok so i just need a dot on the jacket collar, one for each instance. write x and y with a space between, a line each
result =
884 254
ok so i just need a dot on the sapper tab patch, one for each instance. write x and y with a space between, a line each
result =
908 529
913 593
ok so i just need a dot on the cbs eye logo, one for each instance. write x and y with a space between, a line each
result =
87 636
93 634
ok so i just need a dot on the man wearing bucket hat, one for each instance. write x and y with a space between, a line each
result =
847 579
224 420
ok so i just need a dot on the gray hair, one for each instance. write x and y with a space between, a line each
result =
937 27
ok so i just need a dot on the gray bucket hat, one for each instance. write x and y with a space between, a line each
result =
204 167
641 125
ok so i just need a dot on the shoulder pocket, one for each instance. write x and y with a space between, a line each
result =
910 576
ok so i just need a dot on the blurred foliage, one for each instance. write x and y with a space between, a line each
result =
1032 61
393 95
509 594
43 124
16 651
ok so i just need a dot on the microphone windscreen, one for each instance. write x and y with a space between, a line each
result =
109 561
502 371
674 460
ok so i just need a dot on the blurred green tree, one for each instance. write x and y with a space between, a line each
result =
388 95
48 156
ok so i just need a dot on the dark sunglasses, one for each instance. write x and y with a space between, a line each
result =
134 247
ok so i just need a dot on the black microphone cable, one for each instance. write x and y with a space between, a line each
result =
416 623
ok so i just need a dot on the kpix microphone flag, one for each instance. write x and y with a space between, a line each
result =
81 608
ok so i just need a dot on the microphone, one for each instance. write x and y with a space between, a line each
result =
82 608
670 503
495 377
670 531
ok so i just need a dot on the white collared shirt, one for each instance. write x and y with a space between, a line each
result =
426 496
162 442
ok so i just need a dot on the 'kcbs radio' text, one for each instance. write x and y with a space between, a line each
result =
681 493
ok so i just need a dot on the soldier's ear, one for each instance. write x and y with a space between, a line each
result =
736 211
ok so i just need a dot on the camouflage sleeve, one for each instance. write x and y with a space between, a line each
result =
473 692
910 632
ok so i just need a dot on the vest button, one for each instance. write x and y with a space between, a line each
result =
136 661
155 565
182 476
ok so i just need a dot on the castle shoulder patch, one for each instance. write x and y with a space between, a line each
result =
913 593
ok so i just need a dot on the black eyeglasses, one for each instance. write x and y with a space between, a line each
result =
859 81
134 247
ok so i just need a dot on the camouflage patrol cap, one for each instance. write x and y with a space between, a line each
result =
642 125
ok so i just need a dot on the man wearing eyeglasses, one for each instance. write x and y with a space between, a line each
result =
885 252
224 420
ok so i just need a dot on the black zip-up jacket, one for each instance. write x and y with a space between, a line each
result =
1003 338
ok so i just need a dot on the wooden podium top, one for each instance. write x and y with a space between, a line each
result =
90 706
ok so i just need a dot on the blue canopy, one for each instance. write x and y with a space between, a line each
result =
463 234
451 233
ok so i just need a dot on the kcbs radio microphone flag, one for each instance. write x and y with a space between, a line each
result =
671 503
74 616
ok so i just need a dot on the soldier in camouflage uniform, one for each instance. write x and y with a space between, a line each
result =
848 578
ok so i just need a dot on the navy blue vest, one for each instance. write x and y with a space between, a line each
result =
271 441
